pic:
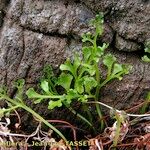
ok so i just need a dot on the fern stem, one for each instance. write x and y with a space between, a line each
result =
28 109
78 115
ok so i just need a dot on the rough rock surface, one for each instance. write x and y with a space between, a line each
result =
34 33
129 19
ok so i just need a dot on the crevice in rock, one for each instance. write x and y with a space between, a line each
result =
130 40
128 45
54 34
2 15
3 12
23 48
77 1
114 39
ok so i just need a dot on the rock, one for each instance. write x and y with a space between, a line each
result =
126 45
129 19
107 35
3 10
55 17
24 53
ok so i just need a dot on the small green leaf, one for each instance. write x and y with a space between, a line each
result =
79 85
98 23
65 80
89 83
96 59
87 37
76 63
83 98
108 61
146 58
89 68
45 87
100 50
67 66
53 104
71 94
117 68
147 47
147 50
37 101
87 51
19 83
32 94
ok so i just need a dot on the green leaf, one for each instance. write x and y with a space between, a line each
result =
146 58
19 83
147 47
83 98
45 86
98 23
147 50
100 50
120 70
90 69
76 63
53 104
71 67
87 51
108 61
87 37
71 94
117 68
67 66
89 83
37 101
32 94
65 80
79 85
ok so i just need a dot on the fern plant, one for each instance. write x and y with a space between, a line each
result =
81 78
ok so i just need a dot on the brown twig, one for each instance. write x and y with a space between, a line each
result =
70 125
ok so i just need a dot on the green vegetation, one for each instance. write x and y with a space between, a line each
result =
80 80
147 50
18 102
